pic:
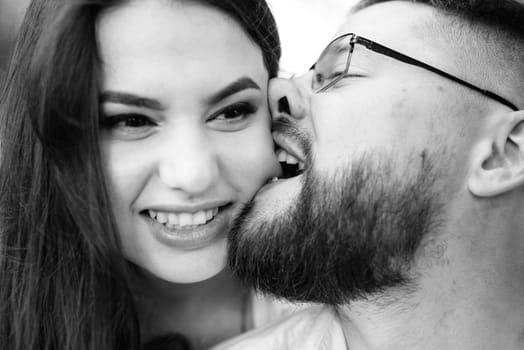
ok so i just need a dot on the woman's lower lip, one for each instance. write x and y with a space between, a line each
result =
192 237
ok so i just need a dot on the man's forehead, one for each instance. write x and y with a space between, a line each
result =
462 48
392 23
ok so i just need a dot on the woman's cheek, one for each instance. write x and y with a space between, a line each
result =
250 159
261 155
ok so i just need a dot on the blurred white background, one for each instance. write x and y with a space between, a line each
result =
306 27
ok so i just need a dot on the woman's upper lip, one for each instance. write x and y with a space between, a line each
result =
289 145
187 208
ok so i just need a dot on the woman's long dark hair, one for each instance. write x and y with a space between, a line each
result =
63 278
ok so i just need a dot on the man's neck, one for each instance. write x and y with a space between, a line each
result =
468 292
438 319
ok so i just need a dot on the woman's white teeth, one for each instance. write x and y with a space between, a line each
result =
183 220
161 218
172 219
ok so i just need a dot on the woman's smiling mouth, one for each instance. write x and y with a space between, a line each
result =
181 220
189 229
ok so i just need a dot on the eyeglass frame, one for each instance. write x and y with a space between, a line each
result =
386 51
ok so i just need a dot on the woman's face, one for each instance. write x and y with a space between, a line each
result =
185 132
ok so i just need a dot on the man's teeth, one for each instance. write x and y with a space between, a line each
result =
183 220
284 157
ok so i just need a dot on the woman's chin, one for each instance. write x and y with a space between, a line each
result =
198 269
195 277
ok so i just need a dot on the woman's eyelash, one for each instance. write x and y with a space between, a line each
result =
237 110
131 120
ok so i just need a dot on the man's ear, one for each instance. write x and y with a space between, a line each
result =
498 162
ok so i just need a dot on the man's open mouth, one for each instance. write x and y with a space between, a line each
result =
290 156
291 166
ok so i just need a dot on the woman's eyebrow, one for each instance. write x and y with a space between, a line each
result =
131 100
238 85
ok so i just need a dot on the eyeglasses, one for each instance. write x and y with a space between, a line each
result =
328 70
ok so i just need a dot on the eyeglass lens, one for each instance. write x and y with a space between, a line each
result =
332 64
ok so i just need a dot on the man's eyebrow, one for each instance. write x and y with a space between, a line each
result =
337 50
341 48
130 100
241 84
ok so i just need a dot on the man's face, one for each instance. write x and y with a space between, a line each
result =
377 148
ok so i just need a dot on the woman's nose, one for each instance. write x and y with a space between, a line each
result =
189 163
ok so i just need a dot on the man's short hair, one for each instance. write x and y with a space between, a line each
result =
475 27
506 15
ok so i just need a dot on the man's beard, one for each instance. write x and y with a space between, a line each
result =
346 238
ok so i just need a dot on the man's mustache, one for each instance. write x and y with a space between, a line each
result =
283 125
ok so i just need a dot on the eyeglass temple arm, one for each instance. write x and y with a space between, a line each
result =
409 60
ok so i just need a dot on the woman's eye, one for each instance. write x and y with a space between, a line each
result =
233 116
236 112
128 125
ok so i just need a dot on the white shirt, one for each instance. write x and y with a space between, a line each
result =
313 328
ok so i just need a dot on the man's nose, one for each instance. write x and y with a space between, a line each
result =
289 97
189 163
